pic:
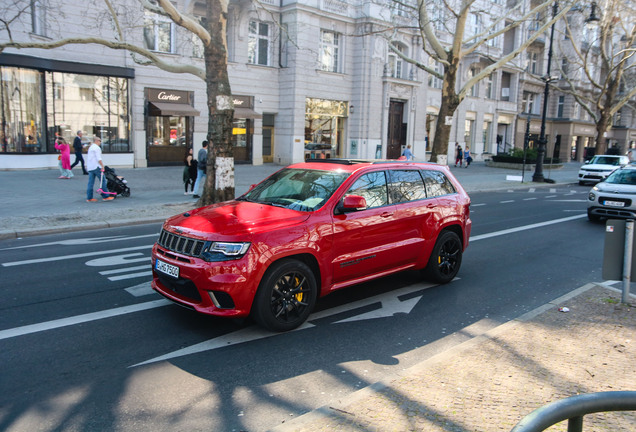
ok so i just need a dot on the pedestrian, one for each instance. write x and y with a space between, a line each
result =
95 167
77 148
64 158
467 156
459 155
408 154
190 172
202 165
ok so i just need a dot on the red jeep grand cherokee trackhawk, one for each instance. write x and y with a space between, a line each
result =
309 229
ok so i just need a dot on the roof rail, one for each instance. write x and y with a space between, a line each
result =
356 161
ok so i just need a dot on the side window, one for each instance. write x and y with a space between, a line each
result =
437 184
371 186
405 186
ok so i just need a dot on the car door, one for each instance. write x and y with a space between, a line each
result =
363 239
416 215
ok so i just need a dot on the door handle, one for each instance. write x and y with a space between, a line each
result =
386 215
431 206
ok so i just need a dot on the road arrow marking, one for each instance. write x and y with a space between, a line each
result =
389 308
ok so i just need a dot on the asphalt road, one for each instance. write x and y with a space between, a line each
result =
85 345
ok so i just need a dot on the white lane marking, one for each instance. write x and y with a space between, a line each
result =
569 200
118 260
79 319
530 199
124 270
66 257
19 331
477 205
143 289
131 276
550 196
506 202
526 227
84 241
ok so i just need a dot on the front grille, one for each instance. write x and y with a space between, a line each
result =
180 244
183 287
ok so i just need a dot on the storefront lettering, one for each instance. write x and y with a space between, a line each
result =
168 96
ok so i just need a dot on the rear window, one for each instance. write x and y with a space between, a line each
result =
437 184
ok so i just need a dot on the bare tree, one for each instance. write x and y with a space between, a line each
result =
124 25
443 25
601 69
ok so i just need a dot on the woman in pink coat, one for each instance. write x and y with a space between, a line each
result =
65 158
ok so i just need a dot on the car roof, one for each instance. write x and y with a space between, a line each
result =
351 165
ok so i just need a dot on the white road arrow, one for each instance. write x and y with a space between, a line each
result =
389 308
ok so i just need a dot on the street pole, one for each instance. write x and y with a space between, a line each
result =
538 172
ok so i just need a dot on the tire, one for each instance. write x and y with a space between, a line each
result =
446 258
581 183
126 192
285 297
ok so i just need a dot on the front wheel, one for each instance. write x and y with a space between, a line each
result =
445 259
286 296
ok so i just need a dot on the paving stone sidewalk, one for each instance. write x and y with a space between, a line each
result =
492 381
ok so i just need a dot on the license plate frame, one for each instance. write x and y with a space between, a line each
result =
614 203
167 269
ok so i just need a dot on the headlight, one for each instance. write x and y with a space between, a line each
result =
223 251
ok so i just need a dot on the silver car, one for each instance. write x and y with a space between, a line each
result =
615 197
599 167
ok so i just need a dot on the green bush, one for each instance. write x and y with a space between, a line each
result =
515 155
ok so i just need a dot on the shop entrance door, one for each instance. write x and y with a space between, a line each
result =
395 138
168 139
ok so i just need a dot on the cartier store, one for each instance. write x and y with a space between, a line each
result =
169 125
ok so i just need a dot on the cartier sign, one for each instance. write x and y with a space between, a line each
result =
170 96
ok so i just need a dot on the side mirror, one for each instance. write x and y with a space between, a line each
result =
351 203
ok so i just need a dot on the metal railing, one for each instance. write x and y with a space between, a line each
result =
574 408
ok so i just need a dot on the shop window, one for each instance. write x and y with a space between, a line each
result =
96 105
158 33
259 43
330 47
20 111
324 128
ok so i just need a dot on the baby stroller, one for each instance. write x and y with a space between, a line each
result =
116 183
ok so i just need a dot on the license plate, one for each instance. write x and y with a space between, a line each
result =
166 268
615 203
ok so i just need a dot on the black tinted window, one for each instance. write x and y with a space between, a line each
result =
406 185
437 184
371 186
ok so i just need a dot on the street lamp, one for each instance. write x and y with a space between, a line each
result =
538 172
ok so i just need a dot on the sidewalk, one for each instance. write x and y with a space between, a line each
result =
493 380
37 202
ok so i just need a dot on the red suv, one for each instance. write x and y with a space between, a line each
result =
309 229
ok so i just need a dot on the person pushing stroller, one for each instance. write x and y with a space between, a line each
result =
95 168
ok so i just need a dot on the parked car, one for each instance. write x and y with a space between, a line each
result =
615 197
599 167
307 230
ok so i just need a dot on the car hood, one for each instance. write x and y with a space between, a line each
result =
604 167
233 218
616 188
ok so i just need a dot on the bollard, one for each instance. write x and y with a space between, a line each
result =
627 259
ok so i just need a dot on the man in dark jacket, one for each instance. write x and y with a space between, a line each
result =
77 147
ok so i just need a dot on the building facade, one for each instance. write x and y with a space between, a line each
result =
310 79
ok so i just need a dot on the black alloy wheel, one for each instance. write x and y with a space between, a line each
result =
446 258
285 297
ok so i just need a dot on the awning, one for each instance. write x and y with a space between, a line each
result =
171 109
246 113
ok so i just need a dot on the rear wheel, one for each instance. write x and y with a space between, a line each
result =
445 259
286 296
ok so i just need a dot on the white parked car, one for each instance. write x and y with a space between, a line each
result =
599 167
614 198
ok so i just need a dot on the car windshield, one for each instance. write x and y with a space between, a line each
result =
296 189
624 176
605 160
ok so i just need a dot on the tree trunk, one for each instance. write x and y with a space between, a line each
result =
450 102
219 184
